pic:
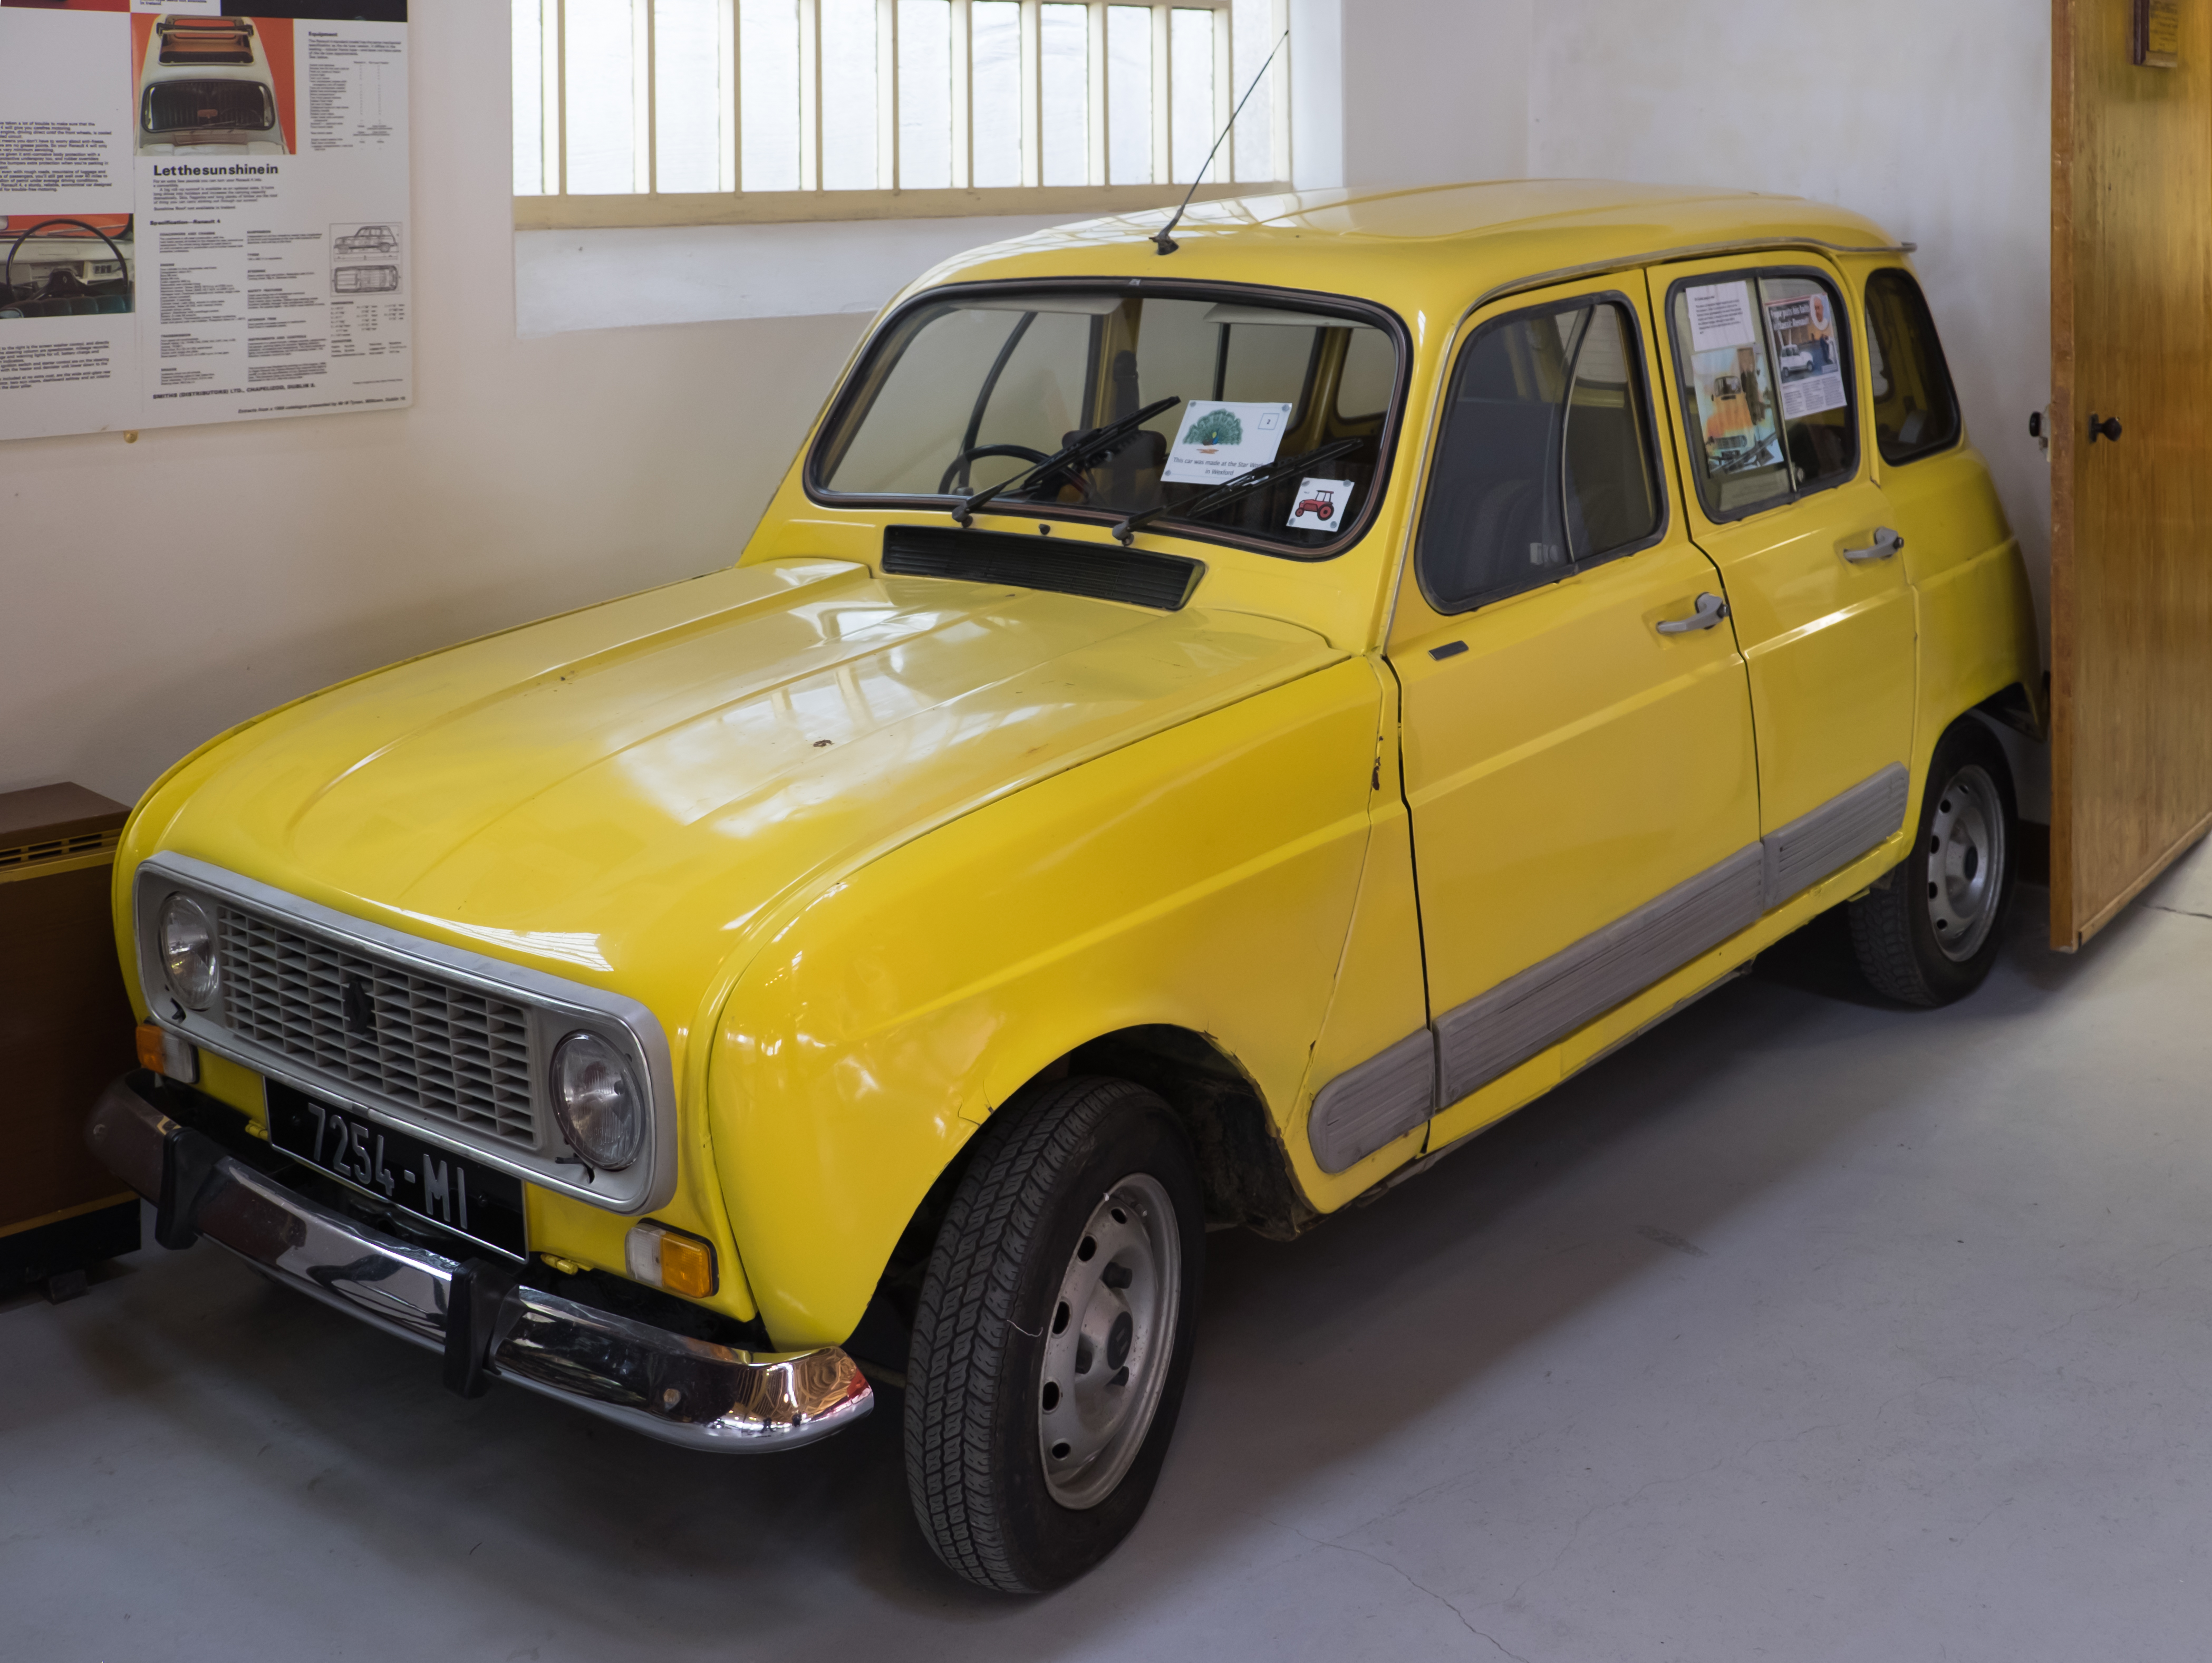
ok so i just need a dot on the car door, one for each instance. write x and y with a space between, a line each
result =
1578 746
1765 399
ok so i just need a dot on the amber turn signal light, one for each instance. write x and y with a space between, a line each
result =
663 1257
167 1054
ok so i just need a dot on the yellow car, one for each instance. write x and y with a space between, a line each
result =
1206 726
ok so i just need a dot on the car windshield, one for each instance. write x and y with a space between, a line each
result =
1271 427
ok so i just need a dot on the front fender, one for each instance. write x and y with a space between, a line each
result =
1203 878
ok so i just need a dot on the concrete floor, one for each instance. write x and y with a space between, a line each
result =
1801 1329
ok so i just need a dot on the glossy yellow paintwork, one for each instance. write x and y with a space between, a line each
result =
877 851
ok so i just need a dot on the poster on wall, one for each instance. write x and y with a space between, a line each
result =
202 211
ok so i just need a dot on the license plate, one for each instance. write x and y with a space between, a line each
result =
399 1167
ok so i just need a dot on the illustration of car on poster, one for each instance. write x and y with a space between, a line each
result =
53 267
878 965
206 86
369 239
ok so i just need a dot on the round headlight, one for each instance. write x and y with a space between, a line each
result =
596 1100
188 950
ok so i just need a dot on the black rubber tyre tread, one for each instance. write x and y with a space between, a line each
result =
963 1321
1891 938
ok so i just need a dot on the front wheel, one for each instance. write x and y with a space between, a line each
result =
1930 932
1053 1335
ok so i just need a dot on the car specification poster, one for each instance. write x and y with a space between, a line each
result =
202 211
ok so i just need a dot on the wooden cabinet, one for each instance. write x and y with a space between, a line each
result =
65 1031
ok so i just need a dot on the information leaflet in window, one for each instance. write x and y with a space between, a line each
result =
1808 364
1728 365
1219 441
203 216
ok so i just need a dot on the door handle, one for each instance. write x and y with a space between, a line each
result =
1711 609
2107 428
1886 542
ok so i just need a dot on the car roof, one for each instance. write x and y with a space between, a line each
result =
1422 249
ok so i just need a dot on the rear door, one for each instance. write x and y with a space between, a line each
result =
1578 738
1780 493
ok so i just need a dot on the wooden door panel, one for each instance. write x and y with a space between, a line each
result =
2131 520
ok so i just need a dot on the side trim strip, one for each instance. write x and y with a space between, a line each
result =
1501 1029
1366 1107
1391 1093
1808 849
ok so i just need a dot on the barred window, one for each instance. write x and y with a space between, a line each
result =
677 111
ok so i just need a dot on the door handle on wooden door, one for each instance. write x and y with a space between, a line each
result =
1886 542
2107 428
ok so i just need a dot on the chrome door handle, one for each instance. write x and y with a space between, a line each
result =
1711 609
1886 542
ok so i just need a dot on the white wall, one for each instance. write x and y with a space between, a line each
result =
153 593
1436 92
1933 119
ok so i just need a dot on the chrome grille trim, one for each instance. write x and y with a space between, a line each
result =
439 1049
447 1061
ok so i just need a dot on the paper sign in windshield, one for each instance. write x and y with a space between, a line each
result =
1218 441
1809 365
1321 504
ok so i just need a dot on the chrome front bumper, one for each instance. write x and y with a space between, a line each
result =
666 1386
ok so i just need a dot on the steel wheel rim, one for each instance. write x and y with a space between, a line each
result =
1109 1339
1965 862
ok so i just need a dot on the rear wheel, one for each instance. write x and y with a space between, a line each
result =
1930 932
1053 1336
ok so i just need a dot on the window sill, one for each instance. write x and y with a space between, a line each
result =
1059 203
601 278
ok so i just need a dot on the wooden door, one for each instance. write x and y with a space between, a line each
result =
2131 517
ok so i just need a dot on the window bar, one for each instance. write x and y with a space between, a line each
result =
1095 16
963 119
889 164
551 149
1224 94
1279 92
810 94
1032 92
1164 76
733 107
559 52
645 122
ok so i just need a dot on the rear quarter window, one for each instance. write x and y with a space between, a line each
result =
1916 408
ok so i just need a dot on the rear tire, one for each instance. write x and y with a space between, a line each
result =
1929 932
1053 1335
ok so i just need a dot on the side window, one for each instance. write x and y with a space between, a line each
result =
1543 461
1766 388
1916 412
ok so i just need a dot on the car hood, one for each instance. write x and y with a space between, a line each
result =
621 795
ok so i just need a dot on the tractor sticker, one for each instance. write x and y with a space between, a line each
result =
1215 442
1321 504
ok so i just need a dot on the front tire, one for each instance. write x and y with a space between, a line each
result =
1053 1335
1929 933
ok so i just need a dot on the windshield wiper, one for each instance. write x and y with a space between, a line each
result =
1085 446
1243 485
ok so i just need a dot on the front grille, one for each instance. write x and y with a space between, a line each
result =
447 1051
228 105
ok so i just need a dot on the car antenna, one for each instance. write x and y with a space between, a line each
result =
1163 236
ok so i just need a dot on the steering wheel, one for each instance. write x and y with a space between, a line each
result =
8 270
975 453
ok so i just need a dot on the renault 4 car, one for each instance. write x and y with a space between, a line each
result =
874 967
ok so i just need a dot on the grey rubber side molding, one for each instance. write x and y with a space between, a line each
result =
1364 1107
1524 1014
1809 848
1472 1044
